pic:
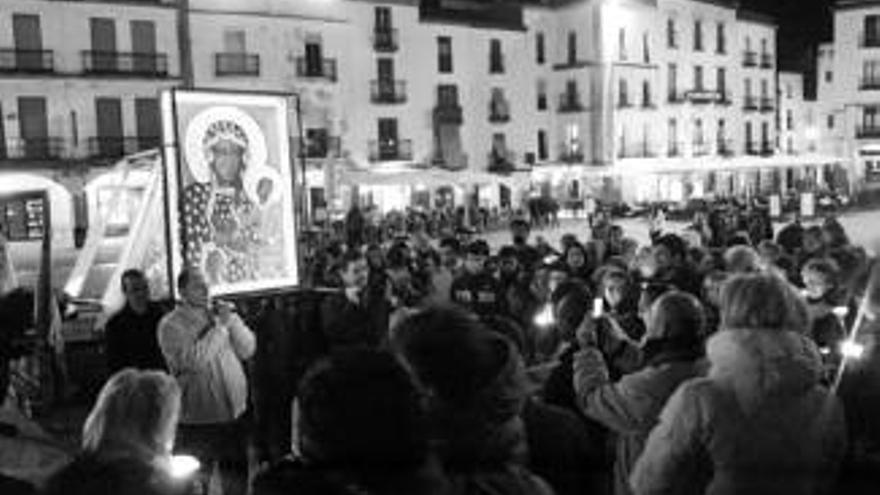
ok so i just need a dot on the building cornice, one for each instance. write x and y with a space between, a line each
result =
268 15
854 4
155 4
756 17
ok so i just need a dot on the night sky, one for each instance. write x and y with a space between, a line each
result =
802 25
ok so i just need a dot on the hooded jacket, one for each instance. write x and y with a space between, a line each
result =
760 423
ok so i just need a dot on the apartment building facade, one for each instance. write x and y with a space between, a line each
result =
562 88
78 89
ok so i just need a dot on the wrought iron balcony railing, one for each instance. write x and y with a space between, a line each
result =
119 63
387 91
324 68
329 147
42 148
750 59
385 40
26 61
119 146
236 64
390 150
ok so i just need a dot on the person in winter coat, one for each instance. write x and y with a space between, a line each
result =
476 386
760 422
361 430
629 407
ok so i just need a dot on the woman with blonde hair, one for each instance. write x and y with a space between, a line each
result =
127 439
760 422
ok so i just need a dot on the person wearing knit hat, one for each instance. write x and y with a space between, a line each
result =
476 386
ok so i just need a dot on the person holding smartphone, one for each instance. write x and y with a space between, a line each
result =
204 343
629 406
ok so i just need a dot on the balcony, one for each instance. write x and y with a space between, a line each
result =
387 91
724 148
674 98
869 40
390 150
750 103
457 162
700 96
869 83
570 103
44 148
701 149
641 150
126 64
327 147
767 105
767 61
766 149
385 40
724 99
649 105
236 64
871 131
623 104
501 161
324 68
752 148
448 113
571 153
750 59
500 117
26 61
119 146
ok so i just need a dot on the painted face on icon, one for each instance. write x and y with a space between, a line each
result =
228 162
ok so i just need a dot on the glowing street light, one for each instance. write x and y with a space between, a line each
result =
851 349
184 466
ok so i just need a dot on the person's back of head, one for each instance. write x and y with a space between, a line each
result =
761 302
742 259
135 414
676 323
361 411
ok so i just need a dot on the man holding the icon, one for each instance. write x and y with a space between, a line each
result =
204 343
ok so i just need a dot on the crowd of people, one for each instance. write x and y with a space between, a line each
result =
713 361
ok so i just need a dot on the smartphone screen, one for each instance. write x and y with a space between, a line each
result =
598 307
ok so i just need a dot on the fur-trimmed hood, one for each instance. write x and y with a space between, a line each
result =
764 364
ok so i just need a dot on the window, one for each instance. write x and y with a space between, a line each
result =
831 121
764 91
749 135
646 48
721 39
498 105
447 95
828 76
623 96
871 72
496 60
672 82
698 132
671 41
383 19
789 120
698 36
621 44
721 82
314 58
871 117
673 136
539 48
572 47
444 54
698 78
646 94
542 95
542 145
764 47
765 135
722 124
748 88
872 29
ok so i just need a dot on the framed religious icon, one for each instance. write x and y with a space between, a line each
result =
229 189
